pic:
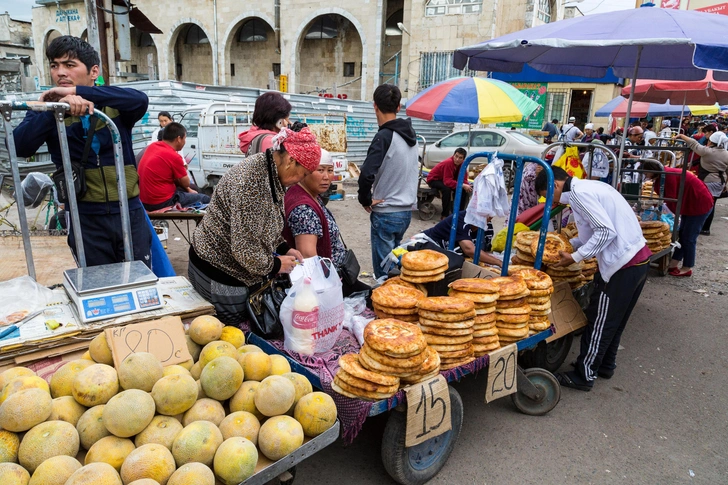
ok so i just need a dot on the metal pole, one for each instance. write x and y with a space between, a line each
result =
682 112
7 112
618 168
92 30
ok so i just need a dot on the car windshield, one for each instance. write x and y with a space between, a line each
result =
525 139
190 121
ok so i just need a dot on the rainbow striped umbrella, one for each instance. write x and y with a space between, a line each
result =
471 100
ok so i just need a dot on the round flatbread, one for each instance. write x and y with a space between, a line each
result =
446 304
423 260
436 330
526 237
396 280
516 297
569 279
516 261
481 350
487 318
396 296
474 297
412 318
551 249
653 224
511 303
535 279
368 363
462 325
419 378
542 306
538 300
362 384
423 279
491 332
484 306
483 326
547 292
484 311
451 347
446 317
517 268
395 311
539 326
448 339
485 340
459 363
524 309
535 313
429 272
526 257
407 364
356 392
474 285
431 363
456 354
512 326
513 332
351 365
538 318
512 318
510 286
394 338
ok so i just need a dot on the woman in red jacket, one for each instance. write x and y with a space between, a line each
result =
697 203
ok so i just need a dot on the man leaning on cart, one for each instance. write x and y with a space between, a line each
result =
74 68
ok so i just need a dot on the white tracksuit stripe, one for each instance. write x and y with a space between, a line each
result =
596 336
589 351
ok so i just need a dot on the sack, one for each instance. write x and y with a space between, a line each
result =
77 169
264 307
327 286
571 163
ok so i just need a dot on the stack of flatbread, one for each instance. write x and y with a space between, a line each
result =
423 266
540 287
647 187
447 324
484 294
571 274
570 231
354 380
512 309
523 254
396 301
430 368
657 234
589 269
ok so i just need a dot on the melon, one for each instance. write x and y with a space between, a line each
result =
235 460
55 471
316 412
148 461
242 424
128 413
162 430
302 385
144 481
95 474
221 378
279 365
65 408
205 329
49 439
13 474
62 379
21 383
279 436
200 391
192 474
197 442
244 399
205 410
174 394
233 335
11 374
172 370
193 347
196 370
213 350
9 443
87 356
95 385
24 409
256 366
91 427
187 364
275 395
110 449
140 371
100 351
246 349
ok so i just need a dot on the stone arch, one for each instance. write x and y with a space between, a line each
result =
294 62
48 36
171 43
263 56
143 45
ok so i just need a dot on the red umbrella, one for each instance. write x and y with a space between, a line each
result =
703 92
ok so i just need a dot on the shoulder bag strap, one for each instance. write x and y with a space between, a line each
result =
93 119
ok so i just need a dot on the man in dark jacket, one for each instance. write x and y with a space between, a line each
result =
74 68
389 176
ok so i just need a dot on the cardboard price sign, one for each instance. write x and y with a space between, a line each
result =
502 373
566 313
164 338
428 410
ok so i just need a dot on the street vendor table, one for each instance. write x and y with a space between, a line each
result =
175 216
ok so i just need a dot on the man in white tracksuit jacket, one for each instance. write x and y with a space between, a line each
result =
609 231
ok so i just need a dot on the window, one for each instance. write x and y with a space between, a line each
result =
349 68
145 40
232 70
276 69
323 27
459 139
556 102
179 71
545 9
391 28
195 35
436 67
191 121
254 30
487 139
134 69
524 139
452 7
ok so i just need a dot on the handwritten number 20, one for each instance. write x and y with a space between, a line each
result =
504 367
423 406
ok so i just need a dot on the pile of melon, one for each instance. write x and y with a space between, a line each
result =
143 424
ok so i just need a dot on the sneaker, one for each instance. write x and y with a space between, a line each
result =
705 233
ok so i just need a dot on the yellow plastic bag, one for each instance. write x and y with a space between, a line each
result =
499 241
571 163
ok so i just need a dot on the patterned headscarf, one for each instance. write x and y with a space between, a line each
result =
302 146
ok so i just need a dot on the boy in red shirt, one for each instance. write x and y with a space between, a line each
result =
163 178
444 177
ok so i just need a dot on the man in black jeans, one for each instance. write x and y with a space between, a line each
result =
444 177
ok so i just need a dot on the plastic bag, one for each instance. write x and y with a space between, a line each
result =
327 287
354 322
22 296
35 187
490 197
499 241
571 163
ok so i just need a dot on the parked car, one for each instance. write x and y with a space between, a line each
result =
483 140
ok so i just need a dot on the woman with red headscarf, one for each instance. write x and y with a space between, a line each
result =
238 246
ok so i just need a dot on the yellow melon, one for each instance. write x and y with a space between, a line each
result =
221 378
148 461
172 370
174 394
187 364
246 349
144 481
193 347
55 471
95 474
140 371
100 351
9 443
205 410
275 395
244 399
110 449
62 380
65 408
196 370
13 474
279 365
192 474
23 382
197 442
205 329
162 430
256 366
24 409
213 350
11 374
95 385
302 385
91 427
316 412
46 440
235 460
200 391
242 424
233 335
129 412
87 356
279 436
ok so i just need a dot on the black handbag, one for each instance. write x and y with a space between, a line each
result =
349 270
264 307
77 169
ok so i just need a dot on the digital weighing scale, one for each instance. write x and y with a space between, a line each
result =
112 290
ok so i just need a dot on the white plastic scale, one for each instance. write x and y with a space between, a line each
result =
112 290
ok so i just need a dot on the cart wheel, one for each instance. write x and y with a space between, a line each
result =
547 383
426 210
287 478
548 356
419 464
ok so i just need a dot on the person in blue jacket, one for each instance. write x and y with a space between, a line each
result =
74 68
